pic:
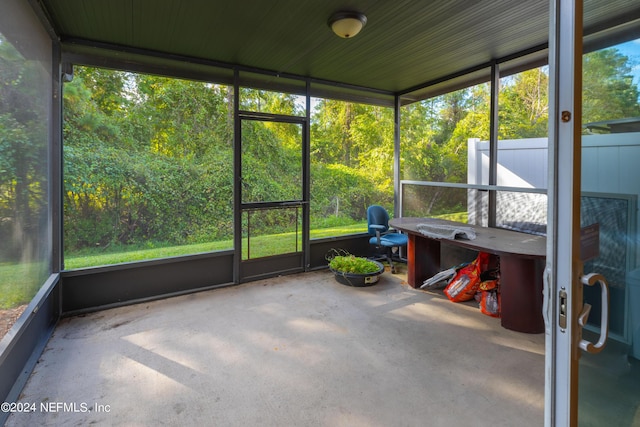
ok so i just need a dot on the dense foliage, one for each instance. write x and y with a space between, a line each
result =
149 160
146 159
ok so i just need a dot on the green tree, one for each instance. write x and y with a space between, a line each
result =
351 157
608 91
524 105
435 133
179 118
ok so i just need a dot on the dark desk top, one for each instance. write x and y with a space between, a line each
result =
496 241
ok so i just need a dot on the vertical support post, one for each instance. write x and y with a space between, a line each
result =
396 159
493 142
474 176
237 174
306 180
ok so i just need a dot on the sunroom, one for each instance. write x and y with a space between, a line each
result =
157 149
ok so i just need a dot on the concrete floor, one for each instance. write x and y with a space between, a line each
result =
299 350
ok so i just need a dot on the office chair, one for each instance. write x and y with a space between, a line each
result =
382 237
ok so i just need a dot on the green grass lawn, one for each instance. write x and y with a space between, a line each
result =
455 216
20 282
260 246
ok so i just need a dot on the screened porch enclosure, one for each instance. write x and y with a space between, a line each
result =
152 150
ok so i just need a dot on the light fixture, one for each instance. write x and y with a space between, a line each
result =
347 24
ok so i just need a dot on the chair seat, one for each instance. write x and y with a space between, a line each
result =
390 239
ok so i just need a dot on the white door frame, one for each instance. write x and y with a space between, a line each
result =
563 267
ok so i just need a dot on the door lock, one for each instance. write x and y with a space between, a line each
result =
562 320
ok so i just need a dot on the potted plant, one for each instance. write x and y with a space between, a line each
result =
351 270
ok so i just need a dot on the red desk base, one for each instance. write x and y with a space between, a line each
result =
520 278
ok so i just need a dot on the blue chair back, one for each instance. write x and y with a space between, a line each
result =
377 215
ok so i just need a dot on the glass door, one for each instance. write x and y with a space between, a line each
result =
592 303
609 377
271 187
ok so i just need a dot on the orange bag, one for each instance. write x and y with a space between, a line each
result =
490 303
465 283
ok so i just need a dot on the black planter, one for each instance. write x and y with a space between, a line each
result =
359 279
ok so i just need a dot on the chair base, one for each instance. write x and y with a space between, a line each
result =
389 257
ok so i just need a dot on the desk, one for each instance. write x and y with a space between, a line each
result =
522 258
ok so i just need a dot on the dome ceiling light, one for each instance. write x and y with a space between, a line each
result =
347 24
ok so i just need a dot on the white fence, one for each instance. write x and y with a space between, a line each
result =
610 163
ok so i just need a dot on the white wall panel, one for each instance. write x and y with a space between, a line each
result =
608 164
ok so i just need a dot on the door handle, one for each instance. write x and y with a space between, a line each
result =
590 280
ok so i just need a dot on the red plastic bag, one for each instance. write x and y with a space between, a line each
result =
490 303
465 283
